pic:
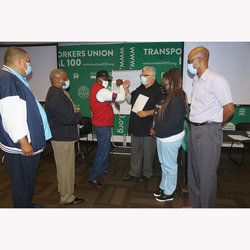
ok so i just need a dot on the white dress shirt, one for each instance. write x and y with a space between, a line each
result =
210 93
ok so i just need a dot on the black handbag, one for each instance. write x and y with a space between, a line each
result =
85 125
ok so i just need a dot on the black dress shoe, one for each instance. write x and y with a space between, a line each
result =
144 178
96 184
37 205
128 177
75 201
109 172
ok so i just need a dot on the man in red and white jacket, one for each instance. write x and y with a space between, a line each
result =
100 99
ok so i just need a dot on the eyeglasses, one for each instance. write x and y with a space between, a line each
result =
190 61
145 75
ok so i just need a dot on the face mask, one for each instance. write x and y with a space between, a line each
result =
143 80
105 83
191 69
29 68
67 84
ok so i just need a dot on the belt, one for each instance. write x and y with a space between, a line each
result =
201 124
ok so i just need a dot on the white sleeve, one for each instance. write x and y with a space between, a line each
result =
106 95
14 117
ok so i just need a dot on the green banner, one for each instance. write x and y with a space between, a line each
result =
162 56
241 114
81 62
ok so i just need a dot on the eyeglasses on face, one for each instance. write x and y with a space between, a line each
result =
145 75
191 60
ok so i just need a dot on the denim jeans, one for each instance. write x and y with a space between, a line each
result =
167 154
101 161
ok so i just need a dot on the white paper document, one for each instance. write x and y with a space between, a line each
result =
140 103
239 137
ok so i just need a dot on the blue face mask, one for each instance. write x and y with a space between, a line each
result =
143 80
191 69
67 84
29 68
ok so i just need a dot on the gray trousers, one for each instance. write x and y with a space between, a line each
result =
204 150
142 156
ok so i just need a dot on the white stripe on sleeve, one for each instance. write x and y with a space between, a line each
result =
14 117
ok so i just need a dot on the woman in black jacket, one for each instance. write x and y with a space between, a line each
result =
169 131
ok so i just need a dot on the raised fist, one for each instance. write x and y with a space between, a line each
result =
119 82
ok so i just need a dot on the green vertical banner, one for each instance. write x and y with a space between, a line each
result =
121 121
82 62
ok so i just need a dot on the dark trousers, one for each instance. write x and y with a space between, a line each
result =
204 150
142 155
22 172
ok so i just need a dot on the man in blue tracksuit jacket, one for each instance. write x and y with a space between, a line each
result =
23 126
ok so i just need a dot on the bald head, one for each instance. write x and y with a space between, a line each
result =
12 53
17 59
201 52
198 57
58 77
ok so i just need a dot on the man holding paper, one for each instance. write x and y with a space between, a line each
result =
143 147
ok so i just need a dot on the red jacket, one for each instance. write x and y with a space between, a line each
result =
102 112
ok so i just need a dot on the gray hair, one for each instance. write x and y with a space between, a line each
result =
151 69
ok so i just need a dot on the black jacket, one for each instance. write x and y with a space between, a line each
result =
140 126
61 116
173 118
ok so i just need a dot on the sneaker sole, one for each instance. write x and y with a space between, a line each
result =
157 195
164 200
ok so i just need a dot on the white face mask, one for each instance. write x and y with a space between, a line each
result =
105 83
